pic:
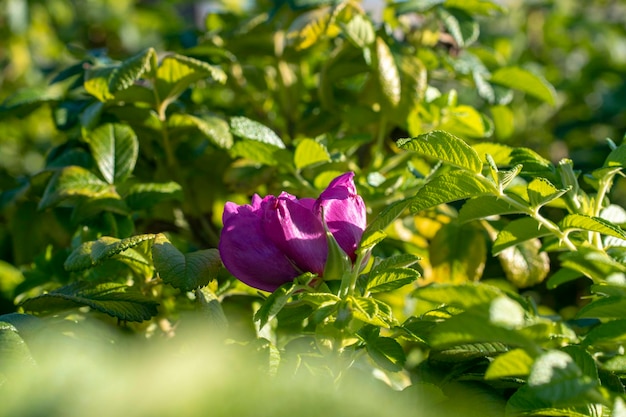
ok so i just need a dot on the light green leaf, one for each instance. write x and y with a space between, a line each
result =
460 25
309 27
14 352
177 72
503 120
468 351
556 377
90 254
104 82
500 153
115 148
523 80
541 191
386 352
261 152
617 157
403 260
387 74
213 128
375 231
485 206
452 186
514 363
609 333
458 253
592 224
466 121
74 181
390 279
516 232
594 263
360 31
604 308
533 164
116 300
562 276
309 152
371 311
147 195
461 296
255 131
188 271
211 308
482 7
445 147
524 264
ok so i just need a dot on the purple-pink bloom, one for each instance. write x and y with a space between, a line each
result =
273 240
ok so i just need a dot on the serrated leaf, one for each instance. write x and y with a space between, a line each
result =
360 31
541 191
445 147
466 352
375 231
147 195
255 131
525 264
75 181
523 80
90 254
116 300
390 279
516 232
515 363
594 263
500 153
452 186
387 74
386 352
533 164
462 296
115 148
184 271
371 311
309 27
403 260
485 206
556 377
592 224
213 128
177 72
309 152
104 82
460 25
458 253
260 152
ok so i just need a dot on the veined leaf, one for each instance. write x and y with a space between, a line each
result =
611 332
213 128
115 148
523 80
309 152
533 164
309 27
360 31
516 362
594 263
541 191
397 261
516 232
592 224
249 129
485 206
390 279
462 296
375 231
261 152
460 25
177 72
444 147
556 377
117 300
371 311
386 352
604 308
93 252
387 74
75 181
458 253
273 304
468 351
147 195
452 186
188 271
500 153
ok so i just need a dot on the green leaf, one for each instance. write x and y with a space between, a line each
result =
533 164
309 152
604 308
115 148
592 224
147 195
617 157
254 131
387 74
274 303
261 152
516 232
116 300
390 279
375 231
461 296
104 82
74 181
514 363
485 206
562 276
360 31
466 121
593 263
458 253
215 129
609 333
460 25
445 147
177 72
90 254
308 28
188 271
211 308
525 264
371 311
453 186
14 352
503 121
541 191
501 154
403 260
482 7
523 80
386 352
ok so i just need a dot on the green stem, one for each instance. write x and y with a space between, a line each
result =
603 189
377 152
348 282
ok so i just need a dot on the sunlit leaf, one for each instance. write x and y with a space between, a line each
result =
115 148
460 25
462 296
255 131
147 195
604 308
458 253
593 263
387 73
610 333
541 191
523 80
390 279
74 181
212 127
525 264
518 231
92 253
516 362
375 231
592 224
360 31
273 304
14 352
485 206
386 352
445 147
309 152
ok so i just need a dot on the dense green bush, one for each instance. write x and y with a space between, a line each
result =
494 273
